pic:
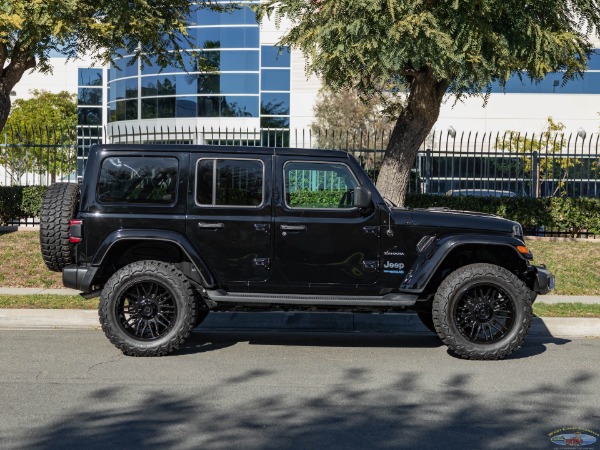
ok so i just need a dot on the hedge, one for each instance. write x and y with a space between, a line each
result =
572 215
20 202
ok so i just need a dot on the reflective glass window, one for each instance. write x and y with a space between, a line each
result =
275 80
89 96
117 89
594 60
208 106
274 122
318 185
228 83
186 84
229 182
236 106
138 180
131 88
90 77
552 84
125 68
149 108
165 107
270 56
149 88
275 104
227 60
242 16
89 116
231 37
186 107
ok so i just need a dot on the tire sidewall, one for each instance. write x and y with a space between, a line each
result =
131 275
454 288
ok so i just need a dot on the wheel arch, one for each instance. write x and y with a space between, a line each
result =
452 252
124 247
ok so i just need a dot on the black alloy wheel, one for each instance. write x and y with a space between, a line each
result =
148 308
484 313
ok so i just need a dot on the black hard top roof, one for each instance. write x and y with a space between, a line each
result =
225 149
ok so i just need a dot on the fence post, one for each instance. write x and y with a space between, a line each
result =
427 171
535 175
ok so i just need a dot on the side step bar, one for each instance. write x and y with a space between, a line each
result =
221 296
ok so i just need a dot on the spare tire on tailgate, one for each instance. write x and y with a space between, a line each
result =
59 206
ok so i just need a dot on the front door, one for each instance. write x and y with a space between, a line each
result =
321 240
229 219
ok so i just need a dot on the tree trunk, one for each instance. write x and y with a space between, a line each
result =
5 105
411 129
10 76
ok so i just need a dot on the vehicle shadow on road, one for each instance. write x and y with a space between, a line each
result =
204 340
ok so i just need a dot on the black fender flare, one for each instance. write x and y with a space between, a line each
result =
434 255
173 237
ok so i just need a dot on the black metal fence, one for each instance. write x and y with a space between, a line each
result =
523 165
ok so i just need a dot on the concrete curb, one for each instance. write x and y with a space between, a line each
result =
32 319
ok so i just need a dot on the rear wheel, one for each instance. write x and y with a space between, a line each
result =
148 308
59 206
482 311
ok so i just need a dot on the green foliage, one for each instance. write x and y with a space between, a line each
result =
573 215
315 199
20 202
377 47
428 48
40 133
549 144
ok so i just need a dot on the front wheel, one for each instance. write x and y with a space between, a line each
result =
482 311
147 308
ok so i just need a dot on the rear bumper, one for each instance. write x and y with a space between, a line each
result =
78 277
544 280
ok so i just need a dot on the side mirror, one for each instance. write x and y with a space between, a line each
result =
362 197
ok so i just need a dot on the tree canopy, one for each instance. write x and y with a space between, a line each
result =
430 48
40 135
31 30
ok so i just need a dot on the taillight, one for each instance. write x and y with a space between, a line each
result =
75 232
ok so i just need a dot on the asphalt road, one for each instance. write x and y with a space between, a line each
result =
294 390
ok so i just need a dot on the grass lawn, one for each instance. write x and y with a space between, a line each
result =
576 264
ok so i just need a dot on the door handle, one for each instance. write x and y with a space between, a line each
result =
212 226
293 227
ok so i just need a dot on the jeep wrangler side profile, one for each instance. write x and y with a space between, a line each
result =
166 233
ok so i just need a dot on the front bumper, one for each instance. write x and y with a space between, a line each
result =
544 280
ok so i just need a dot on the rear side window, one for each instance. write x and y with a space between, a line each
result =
229 182
138 179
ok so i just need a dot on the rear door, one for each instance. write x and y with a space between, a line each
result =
229 216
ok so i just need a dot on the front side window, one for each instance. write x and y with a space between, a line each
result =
138 179
319 185
229 182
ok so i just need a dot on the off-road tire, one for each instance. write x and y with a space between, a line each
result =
59 205
141 274
451 295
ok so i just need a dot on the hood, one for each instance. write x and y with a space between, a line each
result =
451 219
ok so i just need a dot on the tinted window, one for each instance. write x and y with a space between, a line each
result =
229 182
90 77
271 57
275 104
275 80
138 180
242 16
311 185
89 96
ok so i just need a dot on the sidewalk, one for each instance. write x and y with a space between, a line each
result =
31 319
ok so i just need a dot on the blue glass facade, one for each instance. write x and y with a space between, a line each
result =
89 111
229 75
553 82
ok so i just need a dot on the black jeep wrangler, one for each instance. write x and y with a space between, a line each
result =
165 234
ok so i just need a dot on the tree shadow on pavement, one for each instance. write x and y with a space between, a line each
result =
355 411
